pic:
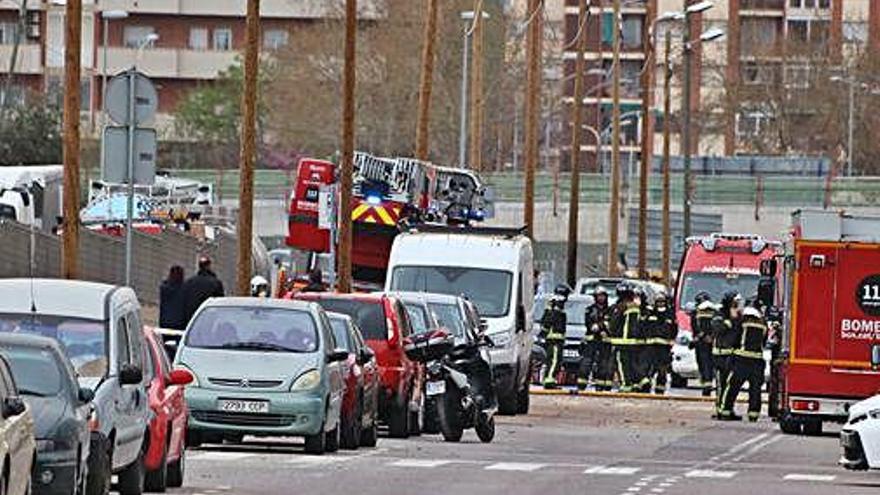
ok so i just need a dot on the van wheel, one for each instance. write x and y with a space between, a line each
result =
156 481
98 476
131 479
398 421
177 471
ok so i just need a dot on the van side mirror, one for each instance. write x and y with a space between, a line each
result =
130 375
13 406
875 356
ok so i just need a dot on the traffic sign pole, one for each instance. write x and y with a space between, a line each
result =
132 126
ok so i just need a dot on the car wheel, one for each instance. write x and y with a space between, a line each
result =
177 470
98 476
508 403
316 444
351 430
370 435
193 439
398 419
156 481
131 479
678 381
523 399
332 442
429 418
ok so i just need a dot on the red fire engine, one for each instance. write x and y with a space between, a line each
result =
832 320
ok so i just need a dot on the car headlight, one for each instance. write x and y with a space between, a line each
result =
307 381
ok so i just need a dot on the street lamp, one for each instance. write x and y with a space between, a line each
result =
107 16
851 81
468 15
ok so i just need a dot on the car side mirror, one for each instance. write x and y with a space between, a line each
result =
180 377
875 355
367 355
520 318
338 355
85 395
13 406
130 375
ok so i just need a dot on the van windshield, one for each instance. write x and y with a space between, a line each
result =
83 341
716 284
489 290
242 328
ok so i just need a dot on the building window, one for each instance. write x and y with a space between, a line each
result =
273 39
815 31
750 124
223 39
134 36
8 33
85 95
810 4
755 74
797 76
758 34
855 32
198 38
631 34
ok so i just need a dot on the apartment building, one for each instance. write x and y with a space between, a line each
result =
178 43
748 56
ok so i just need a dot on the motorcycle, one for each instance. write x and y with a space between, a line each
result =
453 385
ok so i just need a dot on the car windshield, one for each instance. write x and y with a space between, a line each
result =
341 335
83 341
574 310
418 317
36 371
368 316
489 290
248 328
449 317
716 284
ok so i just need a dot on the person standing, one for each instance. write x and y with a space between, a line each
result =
553 323
726 326
748 366
659 330
316 282
624 335
200 287
701 327
170 301
595 349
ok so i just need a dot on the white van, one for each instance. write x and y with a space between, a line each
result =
493 268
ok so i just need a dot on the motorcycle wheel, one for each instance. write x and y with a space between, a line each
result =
486 428
448 407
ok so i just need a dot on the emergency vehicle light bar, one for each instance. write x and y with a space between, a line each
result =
432 228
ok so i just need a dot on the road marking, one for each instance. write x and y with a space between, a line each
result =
219 456
755 448
419 463
809 477
740 446
515 466
614 471
708 473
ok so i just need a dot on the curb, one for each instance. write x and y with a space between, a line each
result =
626 395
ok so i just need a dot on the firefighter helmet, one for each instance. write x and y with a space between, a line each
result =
562 290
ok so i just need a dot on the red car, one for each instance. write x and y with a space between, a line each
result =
360 404
384 323
165 458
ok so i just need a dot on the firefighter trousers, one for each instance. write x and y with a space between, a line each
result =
705 365
659 360
589 362
745 369
603 369
723 364
628 366
554 361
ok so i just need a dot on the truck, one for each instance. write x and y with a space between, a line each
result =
716 263
831 322
388 194
31 195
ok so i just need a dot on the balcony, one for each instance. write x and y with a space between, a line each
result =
28 61
300 9
168 63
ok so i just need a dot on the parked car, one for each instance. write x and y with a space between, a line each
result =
360 405
165 460
61 409
263 367
860 436
385 325
17 444
99 328
575 328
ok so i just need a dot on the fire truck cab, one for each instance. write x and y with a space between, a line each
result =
832 319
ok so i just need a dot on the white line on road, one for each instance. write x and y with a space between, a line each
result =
756 448
515 466
219 456
708 473
419 463
616 471
809 477
740 446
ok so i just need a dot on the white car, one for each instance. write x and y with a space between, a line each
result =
860 437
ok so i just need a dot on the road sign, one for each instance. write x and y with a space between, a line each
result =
115 155
327 207
146 98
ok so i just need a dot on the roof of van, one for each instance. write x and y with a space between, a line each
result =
59 297
455 249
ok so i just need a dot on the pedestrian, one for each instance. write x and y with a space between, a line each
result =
316 282
701 326
170 301
596 349
659 332
748 366
726 328
200 287
553 323
624 332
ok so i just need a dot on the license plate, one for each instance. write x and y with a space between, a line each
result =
435 388
570 353
244 406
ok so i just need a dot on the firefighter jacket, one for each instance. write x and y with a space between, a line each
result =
727 333
701 322
753 335
658 327
625 324
553 323
596 319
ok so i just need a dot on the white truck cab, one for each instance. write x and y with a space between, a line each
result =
494 269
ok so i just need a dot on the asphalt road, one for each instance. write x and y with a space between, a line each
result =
568 445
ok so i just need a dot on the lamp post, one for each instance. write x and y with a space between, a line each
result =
107 16
465 75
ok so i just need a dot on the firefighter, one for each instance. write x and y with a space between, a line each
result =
748 365
701 325
624 335
726 328
553 323
260 287
659 332
595 349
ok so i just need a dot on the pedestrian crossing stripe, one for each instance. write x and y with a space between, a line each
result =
613 470
515 466
809 477
708 473
419 463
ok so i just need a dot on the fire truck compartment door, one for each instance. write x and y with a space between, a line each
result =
856 313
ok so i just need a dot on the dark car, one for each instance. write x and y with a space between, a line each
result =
360 404
61 409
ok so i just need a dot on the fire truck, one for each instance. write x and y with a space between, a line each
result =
388 195
831 323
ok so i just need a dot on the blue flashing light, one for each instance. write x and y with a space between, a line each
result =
374 200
